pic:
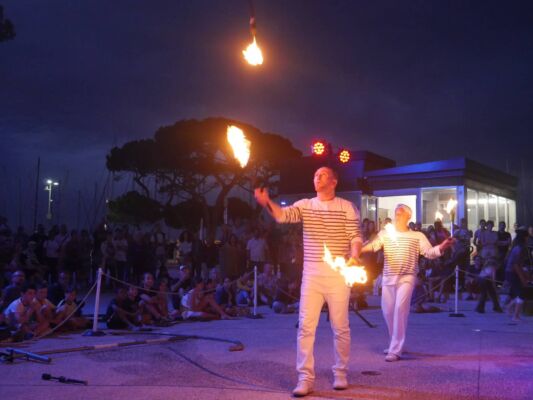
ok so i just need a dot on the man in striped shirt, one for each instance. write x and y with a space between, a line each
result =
401 249
332 221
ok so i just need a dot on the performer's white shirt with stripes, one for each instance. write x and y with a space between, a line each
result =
334 223
401 254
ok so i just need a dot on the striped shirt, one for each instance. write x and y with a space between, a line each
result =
401 255
334 223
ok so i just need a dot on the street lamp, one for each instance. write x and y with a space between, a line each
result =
49 186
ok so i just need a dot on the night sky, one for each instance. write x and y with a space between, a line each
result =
410 80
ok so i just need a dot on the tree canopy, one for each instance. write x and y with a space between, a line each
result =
191 162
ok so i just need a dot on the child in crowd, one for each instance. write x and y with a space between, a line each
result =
66 310
200 303
45 310
153 309
20 315
123 310
245 289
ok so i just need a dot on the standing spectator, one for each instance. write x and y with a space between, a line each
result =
107 249
257 250
158 240
121 252
515 275
477 235
186 244
504 242
486 284
72 256
488 240
231 258
86 255
51 250
39 237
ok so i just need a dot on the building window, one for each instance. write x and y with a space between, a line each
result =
472 209
434 203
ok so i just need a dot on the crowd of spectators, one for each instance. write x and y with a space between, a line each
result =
157 280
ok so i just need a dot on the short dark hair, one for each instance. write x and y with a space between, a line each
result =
29 286
333 171
70 289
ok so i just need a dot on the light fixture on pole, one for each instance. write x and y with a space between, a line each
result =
49 186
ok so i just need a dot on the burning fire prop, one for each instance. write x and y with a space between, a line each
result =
253 54
391 231
239 144
438 216
351 274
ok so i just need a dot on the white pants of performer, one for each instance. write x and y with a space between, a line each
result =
395 304
315 290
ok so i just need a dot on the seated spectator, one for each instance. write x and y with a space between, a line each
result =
67 310
13 291
150 302
420 296
123 310
225 297
56 291
245 289
286 297
45 310
266 282
198 303
20 315
182 284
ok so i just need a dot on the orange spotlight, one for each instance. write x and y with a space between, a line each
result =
344 156
319 148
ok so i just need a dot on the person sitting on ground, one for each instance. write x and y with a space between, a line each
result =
45 310
198 303
183 283
122 312
69 313
420 296
150 302
266 282
245 289
56 291
225 297
20 315
286 295
14 290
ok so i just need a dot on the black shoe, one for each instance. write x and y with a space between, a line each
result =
480 310
497 310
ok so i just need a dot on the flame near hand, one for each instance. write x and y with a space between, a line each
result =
351 274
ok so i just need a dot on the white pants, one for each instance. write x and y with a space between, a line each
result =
315 290
395 304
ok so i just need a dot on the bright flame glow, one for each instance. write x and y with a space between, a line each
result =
239 144
451 205
391 231
351 274
253 54
438 216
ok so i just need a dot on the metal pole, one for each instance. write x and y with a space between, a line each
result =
255 290
456 313
95 331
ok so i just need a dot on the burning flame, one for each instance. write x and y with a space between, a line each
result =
352 275
438 216
391 231
253 54
239 144
451 205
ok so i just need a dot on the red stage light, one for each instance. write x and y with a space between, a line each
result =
344 156
319 148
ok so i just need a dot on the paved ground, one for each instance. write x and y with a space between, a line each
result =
477 357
